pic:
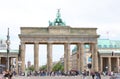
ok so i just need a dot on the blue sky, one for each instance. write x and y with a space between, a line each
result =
103 14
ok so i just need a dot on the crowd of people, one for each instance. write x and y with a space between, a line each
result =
7 74
95 75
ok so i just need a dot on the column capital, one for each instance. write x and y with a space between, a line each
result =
22 42
118 57
49 42
36 42
109 57
67 42
93 43
81 43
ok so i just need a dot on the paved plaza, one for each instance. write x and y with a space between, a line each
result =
56 77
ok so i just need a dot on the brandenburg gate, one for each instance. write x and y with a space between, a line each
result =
59 33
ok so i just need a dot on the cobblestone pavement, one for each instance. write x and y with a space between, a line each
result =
56 77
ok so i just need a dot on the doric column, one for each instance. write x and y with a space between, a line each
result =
78 57
0 60
16 64
65 60
109 63
101 64
22 55
118 62
92 54
36 56
94 57
11 63
66 57
81 56
49 57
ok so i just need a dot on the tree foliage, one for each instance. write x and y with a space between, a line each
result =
44 67
31 68
58 66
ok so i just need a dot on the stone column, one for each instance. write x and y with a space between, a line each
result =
22 55
109 63
78 57
16 64
81 56
11 63
0 60
49 57
36 56
118 62
101 63
94 57
66 57
92 54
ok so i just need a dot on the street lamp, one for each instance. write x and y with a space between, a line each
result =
8 48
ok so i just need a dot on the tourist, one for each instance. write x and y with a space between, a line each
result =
93 75
6 75
10 75
98 75
84 74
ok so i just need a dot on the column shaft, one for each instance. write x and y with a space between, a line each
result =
92 54
81 56
0 60
23 57
36 56
78 57
11 63
101 63
17 64
109 63
118 62
49 57
66 57
94 57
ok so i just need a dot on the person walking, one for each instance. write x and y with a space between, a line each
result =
93 75
98 75
7 74
84 74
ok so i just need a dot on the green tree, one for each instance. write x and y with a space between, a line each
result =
44 67
58 66
31 68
